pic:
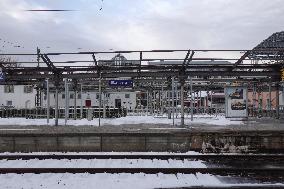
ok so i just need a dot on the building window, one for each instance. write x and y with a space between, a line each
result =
28 89
9 103
71 96
79 96
9 89
97 96
127 95
63 96
107 95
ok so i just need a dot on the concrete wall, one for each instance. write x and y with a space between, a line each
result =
261 141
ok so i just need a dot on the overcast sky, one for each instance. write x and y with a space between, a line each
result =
137 24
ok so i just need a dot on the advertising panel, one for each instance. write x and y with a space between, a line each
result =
236 101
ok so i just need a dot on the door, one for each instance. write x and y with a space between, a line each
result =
117 103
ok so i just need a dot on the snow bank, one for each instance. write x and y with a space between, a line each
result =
210 120
101 163
104 180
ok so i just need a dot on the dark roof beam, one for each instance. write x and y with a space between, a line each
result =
48 62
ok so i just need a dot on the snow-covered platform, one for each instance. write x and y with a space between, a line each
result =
208 134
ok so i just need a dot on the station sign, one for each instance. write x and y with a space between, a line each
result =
120 83
2 75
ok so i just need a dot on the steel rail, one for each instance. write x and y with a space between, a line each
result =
275 172
160 157
242 186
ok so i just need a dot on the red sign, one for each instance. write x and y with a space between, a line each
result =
88 103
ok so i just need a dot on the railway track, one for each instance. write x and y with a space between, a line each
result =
253 157
266 186
265 175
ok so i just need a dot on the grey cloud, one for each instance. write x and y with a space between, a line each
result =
126 25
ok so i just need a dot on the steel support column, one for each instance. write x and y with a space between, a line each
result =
48 102
269 99
173 99
100 99
81 107
277 101
66 100
182 102
56 105
191 100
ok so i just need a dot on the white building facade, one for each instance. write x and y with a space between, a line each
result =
110 99
20 96
24 96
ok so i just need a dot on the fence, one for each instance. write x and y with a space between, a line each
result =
42 112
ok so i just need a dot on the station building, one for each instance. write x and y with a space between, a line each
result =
24 96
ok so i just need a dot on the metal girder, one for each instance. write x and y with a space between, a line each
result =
185 64
146 74
243 57
138 72
95 60
186 57
174 68
1 66
48 62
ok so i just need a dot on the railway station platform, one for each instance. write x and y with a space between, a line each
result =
253 135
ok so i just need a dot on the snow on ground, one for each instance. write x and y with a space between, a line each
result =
105 163
101 163
111 181
104 180
205 119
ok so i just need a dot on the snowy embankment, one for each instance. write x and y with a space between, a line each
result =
210 120
101 163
